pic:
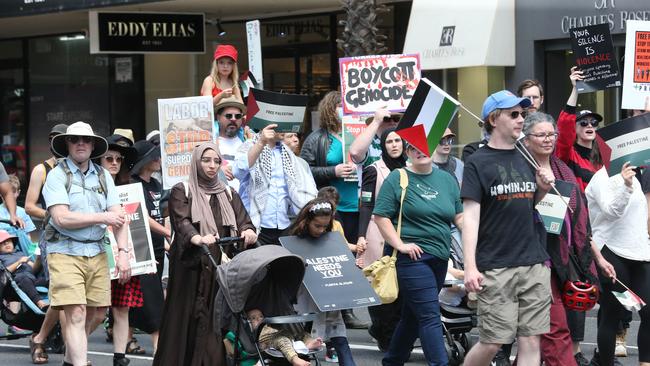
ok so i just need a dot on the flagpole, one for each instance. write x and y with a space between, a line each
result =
632 292
529 157
470 112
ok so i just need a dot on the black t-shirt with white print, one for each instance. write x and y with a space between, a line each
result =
504 184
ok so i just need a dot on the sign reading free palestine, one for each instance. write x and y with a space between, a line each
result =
626 140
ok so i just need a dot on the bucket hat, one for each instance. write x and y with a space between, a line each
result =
126 135
147 151
60 147
231 101
154 136
225 50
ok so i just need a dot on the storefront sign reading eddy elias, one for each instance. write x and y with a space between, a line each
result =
594 55
118 32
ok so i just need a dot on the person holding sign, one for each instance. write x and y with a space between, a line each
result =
315 219
223 81
431 204
366 148
323 151
278 183
618 213
576 143
556 345
202 210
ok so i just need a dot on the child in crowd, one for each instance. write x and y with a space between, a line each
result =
330 194
315 219
224 76
282 340
4 213
21 267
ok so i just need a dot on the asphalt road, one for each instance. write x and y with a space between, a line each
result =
365 353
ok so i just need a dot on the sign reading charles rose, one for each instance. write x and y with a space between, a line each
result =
119 32
369 83
594 54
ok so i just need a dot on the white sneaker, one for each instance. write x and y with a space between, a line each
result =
620 350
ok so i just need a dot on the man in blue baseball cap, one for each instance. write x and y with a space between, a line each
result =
504 256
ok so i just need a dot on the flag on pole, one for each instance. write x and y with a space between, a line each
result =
629 300
427 116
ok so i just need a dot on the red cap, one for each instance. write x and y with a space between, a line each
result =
225 50
4 235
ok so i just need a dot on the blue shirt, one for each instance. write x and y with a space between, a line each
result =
85 196
20 212
349 191
276 209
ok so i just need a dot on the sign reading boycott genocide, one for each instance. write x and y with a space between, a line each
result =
594 55
626 140
184 124
332 279
369 83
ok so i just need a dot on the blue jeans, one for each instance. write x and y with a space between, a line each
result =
419 284
343 351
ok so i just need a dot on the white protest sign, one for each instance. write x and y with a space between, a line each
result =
636 75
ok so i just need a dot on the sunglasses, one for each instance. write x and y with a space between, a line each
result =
516 114
233 115
391 119
587 122
117 159
447 141
76 139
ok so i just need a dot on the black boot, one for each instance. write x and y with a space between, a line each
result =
351 321
121 361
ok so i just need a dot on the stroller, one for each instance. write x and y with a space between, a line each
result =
266 278
457 321
29 316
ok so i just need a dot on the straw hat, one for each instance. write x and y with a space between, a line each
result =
60 147
125 133
231 101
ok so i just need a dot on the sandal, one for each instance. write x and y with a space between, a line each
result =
39 356
133 348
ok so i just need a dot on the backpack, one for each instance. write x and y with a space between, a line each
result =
50 232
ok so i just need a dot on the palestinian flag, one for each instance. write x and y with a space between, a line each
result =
246 82
428 114
629 300
266 107
626 140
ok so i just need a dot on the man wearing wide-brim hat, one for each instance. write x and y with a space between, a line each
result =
230 117
82 202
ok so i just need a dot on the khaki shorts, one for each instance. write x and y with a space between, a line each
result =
76 280
514 302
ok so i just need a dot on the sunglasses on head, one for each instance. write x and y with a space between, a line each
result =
233 115
587 122
76 139
516 114
117 159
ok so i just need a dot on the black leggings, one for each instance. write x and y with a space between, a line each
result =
636 275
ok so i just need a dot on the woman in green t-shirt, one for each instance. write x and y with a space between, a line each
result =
431 204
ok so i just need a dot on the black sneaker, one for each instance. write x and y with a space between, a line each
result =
121 362
596 360
500 359
581 360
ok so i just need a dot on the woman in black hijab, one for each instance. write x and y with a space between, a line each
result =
384 317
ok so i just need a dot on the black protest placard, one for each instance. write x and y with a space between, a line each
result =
594 55
332 279
267 107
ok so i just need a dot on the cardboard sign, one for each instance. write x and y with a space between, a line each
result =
332 279
553 207
628 140
594 54
352 128
141 254
184 123
267 107
636 78
369 83
254 45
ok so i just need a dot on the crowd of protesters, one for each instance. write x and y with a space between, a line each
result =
263 185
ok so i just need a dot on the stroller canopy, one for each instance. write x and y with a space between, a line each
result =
253 274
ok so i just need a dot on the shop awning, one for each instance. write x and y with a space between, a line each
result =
452 34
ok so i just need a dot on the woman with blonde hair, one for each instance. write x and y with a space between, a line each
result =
223 81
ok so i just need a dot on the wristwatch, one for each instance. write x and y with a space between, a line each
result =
125 250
